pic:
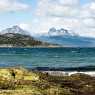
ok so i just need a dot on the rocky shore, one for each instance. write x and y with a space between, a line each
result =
19 81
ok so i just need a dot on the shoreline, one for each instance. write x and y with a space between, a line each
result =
63 73
58 71
42 47
66 69
88 70
55 72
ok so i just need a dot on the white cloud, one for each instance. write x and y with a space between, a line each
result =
68 14
25 26
44 24
69 2
12 5
87 16
88 10
89 22
57 13
61 11
57 7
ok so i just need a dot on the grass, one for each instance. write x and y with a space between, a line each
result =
19 81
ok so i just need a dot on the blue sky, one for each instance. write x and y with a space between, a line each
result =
37 16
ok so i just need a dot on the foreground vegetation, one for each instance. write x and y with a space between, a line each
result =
19 81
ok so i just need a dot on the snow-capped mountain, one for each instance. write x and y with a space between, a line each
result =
17 37
14 29
60 36
60 32
67 38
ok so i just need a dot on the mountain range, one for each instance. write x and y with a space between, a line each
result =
60 32
67 38
15 36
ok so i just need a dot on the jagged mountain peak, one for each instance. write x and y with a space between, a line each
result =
14 29
60 32
15 26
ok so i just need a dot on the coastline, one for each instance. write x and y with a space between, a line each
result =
43 45
52 72
68 73
5 46
89 70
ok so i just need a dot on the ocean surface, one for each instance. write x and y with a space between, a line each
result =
47 57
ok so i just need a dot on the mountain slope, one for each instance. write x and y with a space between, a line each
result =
67 38
14 29
16 37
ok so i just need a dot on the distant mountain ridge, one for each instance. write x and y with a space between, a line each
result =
60 32
67 38
17 37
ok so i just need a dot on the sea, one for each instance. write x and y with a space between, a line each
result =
48 58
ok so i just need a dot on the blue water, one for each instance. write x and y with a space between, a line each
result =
47 57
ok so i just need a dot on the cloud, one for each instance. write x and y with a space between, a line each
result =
25 26
61 8
69 14
69 2
88 10
57 13
61 11
89 22
57 8
12 5
87 19
42 26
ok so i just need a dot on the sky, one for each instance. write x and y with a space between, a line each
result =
38 16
